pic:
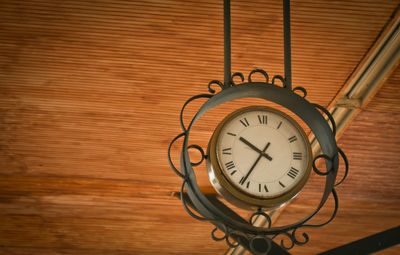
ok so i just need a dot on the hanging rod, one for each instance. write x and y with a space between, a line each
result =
227 43
286 38
287 51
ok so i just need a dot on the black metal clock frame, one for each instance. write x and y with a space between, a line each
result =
237 230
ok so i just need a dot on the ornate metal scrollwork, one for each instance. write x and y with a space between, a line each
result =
260 71
233 226
260 213
280 78
237 74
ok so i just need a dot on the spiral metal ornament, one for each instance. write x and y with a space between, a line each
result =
260 213
235 229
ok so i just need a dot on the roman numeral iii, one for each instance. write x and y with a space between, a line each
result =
230 165
297 155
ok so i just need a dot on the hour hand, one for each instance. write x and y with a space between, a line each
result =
252 146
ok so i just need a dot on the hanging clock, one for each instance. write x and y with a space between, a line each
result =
259 157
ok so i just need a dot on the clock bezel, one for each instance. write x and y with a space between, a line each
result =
241 198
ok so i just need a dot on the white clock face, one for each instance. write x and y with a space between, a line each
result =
262 152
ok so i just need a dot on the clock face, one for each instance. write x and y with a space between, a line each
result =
262 152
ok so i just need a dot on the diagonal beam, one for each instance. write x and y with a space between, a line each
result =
370 244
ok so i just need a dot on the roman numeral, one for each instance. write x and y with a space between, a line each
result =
227 151
232 134
233 172
260 188
230 165
293 172
292 139
262 119
297 155
244 122
282 184
241 182
280 123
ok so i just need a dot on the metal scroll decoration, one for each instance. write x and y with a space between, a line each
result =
234 229
237 230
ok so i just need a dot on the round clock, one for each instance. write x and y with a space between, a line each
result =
259 157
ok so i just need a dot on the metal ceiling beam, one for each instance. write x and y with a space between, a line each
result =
370 244
369 76
359 89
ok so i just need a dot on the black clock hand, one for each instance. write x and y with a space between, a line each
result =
255 148
254 165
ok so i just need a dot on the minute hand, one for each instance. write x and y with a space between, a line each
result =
254 165
255 148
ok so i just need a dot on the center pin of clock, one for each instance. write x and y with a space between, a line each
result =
262 153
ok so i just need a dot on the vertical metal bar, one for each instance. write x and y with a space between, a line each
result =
287 47
227 43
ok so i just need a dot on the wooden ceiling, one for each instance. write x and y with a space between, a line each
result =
90 94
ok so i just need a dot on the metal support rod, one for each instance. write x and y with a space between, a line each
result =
227 43
287 47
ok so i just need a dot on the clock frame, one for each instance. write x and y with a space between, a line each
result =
233 194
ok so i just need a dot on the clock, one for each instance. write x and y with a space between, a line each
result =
259 157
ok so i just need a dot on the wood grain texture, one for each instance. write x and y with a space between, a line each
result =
90 94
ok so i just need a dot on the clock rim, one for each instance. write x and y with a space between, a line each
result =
226 188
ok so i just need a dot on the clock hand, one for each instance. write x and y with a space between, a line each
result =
254 165
255 148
